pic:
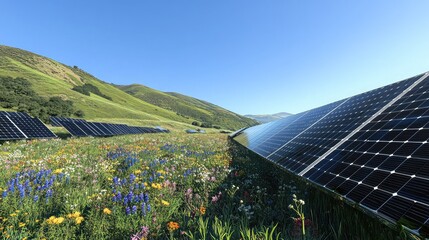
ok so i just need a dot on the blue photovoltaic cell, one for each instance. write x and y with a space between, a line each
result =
31 127
372 149
73 129
97 131
8 131
104 129
294 129
331 129
386 162
55 122
85 128
81 128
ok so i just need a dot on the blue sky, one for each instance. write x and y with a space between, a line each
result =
249 56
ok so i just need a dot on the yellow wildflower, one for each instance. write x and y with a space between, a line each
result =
58 170
13 214
107 211
59 220
55 220
79 220
74 215
165 203
51 219
21 224
137 171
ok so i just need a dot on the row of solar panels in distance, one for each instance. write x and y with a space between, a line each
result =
19 125
82 128
371 148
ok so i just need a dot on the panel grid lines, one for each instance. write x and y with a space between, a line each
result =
363 124
372 150
309 127
16 126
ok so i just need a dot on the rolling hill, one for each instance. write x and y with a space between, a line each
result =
203 112
49 78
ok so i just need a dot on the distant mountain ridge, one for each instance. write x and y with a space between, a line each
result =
264 118
106 102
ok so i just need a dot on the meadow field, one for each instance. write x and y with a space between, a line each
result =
163 186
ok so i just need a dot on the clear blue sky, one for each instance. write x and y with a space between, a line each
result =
249 56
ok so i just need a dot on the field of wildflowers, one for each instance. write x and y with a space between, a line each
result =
160 186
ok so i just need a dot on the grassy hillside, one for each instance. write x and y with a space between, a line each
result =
202 111
50 78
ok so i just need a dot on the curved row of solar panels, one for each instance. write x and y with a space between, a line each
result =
18 125
82 128
371 148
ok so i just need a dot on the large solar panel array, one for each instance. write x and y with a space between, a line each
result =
82 128
18 125
371 148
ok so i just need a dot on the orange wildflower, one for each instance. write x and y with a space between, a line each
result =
172 226
202 210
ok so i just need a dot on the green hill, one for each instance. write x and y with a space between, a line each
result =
49 78
205 113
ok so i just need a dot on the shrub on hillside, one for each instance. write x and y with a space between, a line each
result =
17 93
79 113
206 125
87 88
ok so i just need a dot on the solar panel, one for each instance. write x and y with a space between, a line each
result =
103 128
31 127
82 125
8 130
371 148
81 128
74 129
304 121
55 122
97 131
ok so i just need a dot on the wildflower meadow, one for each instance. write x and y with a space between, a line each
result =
162 186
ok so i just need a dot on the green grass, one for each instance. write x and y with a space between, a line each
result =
197 186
